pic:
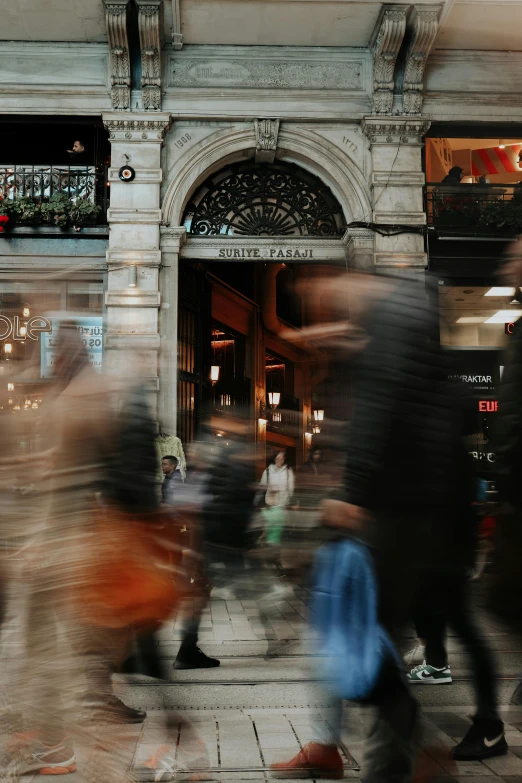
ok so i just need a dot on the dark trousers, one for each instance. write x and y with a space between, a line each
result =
443 602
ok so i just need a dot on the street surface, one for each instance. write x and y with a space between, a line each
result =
250 711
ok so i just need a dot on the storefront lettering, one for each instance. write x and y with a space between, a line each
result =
474 378
11 327
488 406
483 456
272 252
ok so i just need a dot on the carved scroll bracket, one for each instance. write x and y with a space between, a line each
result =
267 132
149 23
385 44
423 25
116 21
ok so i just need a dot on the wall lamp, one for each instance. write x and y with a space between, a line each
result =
133 276
214 373
274 398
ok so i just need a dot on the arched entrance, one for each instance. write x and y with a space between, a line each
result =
254 231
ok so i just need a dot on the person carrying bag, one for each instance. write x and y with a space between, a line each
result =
275 496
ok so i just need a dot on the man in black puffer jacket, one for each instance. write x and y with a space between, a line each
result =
506 594
404 491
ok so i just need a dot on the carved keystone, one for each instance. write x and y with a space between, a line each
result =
267 132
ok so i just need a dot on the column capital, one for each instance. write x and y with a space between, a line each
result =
136 127
395 130
172 238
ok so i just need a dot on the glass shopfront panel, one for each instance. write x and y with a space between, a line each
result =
29 317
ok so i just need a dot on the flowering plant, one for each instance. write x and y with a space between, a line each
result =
59 210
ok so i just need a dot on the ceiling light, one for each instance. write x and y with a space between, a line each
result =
500 290
471 319
502 144
504 317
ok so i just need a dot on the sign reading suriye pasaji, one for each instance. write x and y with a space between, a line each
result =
249 253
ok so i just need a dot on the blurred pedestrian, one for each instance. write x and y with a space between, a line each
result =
276 495
188 504
506 597
401 486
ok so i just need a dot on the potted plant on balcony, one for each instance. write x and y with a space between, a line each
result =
25 210
503 215
4 215
55 211
84 212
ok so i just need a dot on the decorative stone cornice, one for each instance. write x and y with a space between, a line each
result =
149 24
386 42
116 22
137 128
267 132
172 238
422 27
119 258
396 130
133 298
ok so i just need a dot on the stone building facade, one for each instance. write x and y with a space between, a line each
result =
185 88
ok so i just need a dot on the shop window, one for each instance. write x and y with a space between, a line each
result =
231 390
228 352
29 317
279 375
474 183
474 316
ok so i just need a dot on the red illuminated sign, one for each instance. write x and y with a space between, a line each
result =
508 328
488 406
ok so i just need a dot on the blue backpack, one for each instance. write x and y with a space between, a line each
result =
352 643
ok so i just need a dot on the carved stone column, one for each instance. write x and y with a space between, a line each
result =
116 21
172 240
397 185
385 44
422 29
149 23
134 255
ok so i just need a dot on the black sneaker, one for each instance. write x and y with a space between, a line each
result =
194 658
481 743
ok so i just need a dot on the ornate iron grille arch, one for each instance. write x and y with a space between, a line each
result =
256 199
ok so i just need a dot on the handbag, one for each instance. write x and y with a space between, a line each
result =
131 571
354 646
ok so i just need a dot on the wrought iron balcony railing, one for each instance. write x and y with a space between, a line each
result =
231 397
287 418
462 209
42 182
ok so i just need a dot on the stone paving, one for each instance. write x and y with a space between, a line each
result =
241 742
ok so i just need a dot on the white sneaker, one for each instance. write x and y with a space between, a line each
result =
429 675
414 656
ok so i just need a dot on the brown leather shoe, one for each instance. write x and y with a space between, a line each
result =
313 761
